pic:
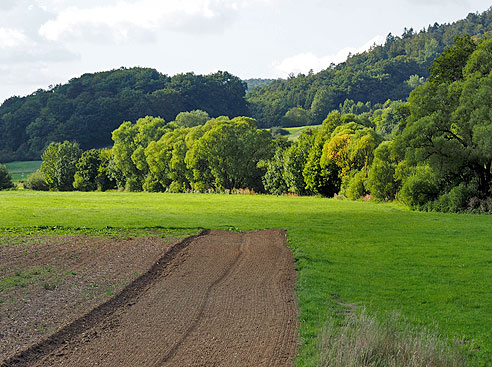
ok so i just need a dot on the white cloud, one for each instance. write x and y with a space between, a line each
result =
17 47
10 38
124 19
23 79
304 62
464 3
7 4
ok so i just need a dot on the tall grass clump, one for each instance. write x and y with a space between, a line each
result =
364 341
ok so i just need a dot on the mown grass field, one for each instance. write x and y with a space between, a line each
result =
295 132
434 269
16 169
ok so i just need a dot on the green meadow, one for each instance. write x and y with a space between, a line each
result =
433 269
17 169
295 132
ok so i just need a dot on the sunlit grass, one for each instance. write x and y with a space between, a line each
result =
20 170
432 268
295 132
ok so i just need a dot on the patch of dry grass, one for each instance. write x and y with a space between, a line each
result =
364 341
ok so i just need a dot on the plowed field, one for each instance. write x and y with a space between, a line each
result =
216 299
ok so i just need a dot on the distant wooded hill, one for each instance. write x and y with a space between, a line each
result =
385 72
89 108
257 82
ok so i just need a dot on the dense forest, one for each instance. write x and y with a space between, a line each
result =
390 71
87 109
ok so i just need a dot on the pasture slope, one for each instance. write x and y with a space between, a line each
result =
216 299
434 269
21 170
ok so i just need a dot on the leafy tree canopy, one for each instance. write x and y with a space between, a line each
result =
388 71
5 178
87 109
450 123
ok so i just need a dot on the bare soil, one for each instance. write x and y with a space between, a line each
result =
216 299
75 275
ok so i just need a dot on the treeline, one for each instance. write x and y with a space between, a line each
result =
438 157
193 153
432 153
390 71
88 108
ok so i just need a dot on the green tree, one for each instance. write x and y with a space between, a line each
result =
323 180
273 179
92 171
296 116
192 118
381 181
230 151
5 178
59 165
129 163
295 158
104 179
350 147
166 160
449 127
322 103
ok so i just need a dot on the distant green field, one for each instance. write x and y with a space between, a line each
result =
20 170
435 269
295 132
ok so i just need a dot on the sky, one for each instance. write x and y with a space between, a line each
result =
47 42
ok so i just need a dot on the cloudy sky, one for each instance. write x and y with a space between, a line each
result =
46 42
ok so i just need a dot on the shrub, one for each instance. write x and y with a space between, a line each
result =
176 187
381 180
5 178
36 181
420 187
457 199
133 184
278 131
152 184
479 206
356 187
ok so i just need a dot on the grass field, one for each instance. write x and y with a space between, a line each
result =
295 132
434 269
16 169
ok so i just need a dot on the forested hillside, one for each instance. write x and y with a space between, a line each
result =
89 108
390 71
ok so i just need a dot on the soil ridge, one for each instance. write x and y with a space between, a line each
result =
125 298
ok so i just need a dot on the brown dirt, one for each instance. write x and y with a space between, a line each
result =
84 271
217 299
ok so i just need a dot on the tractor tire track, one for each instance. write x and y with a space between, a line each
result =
215 299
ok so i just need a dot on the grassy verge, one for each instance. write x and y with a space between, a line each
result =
432 268
365 341
20 170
